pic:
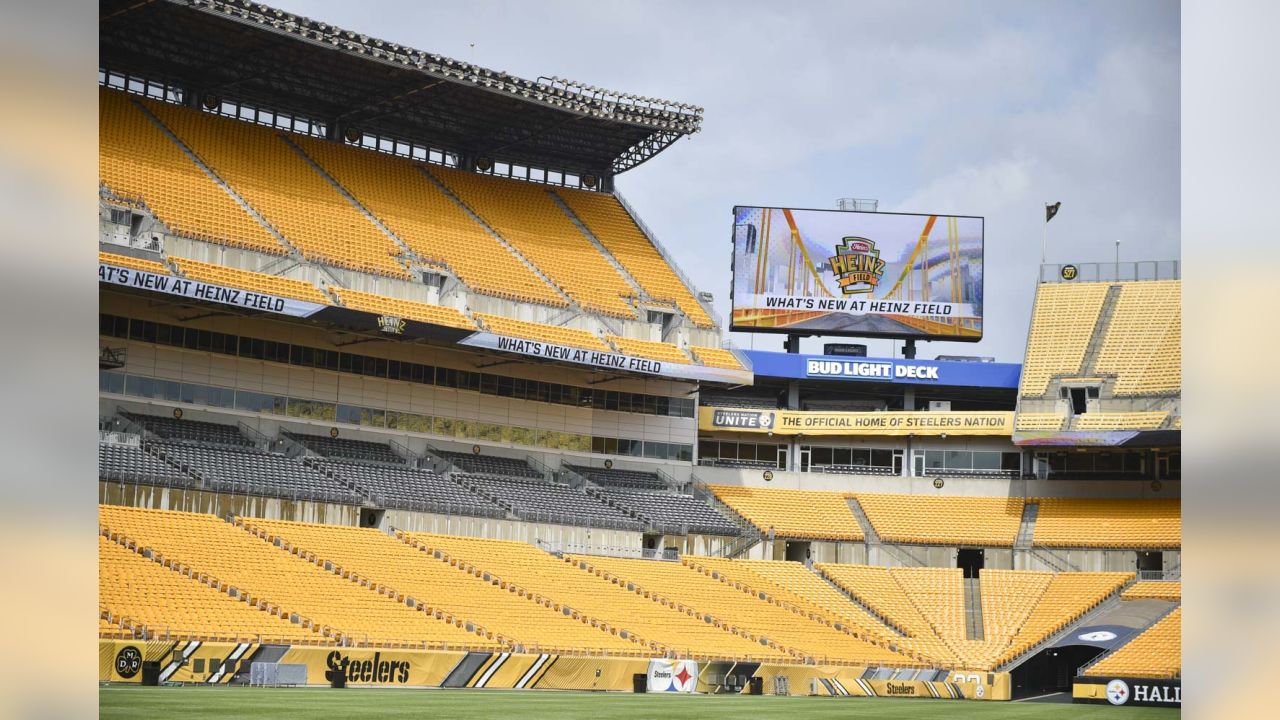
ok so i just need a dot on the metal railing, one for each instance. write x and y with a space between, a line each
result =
1110 271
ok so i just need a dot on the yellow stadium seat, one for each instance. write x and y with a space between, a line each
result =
943 520
408 309
801 514
1109 523
665 352
259 282
716 357
128 261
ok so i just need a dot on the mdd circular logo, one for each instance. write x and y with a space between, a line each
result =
1069 272
1117 692
128 662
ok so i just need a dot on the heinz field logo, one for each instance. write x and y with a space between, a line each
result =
857 265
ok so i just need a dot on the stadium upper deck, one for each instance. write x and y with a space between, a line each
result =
1104 357
201 179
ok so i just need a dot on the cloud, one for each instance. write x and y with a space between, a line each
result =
988 109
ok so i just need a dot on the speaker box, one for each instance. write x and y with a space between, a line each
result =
640 683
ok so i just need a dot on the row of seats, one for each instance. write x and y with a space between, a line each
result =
121 461
247 280
618 477
133 263
246 470
441 586
617 231
1153 590
801 514
671 511
336 447
1109 523
205 577
474 464
578 586
136 158
737 607
149 598
410 488
1155 653
333 607
933 520
666 352
1039 421
957 519
1149 419
406 309
174 430
541 501
1143 343
715 357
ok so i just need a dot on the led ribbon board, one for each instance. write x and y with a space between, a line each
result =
866 274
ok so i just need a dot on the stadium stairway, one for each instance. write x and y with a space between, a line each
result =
1027 528
973 609
868 531
1100 331
750 535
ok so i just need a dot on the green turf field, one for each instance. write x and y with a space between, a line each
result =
326 704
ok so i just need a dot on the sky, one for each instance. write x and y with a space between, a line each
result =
971 108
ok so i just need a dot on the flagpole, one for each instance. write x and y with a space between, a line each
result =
1044 240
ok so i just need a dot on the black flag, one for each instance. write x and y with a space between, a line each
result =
1051 210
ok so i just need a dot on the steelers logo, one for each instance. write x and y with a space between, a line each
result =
1117 692
766 420
128 662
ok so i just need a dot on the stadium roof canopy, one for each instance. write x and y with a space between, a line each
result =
268 58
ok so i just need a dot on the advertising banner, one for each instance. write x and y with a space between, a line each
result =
196 290
867 274
1128 691
799 422
673 676
604 360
